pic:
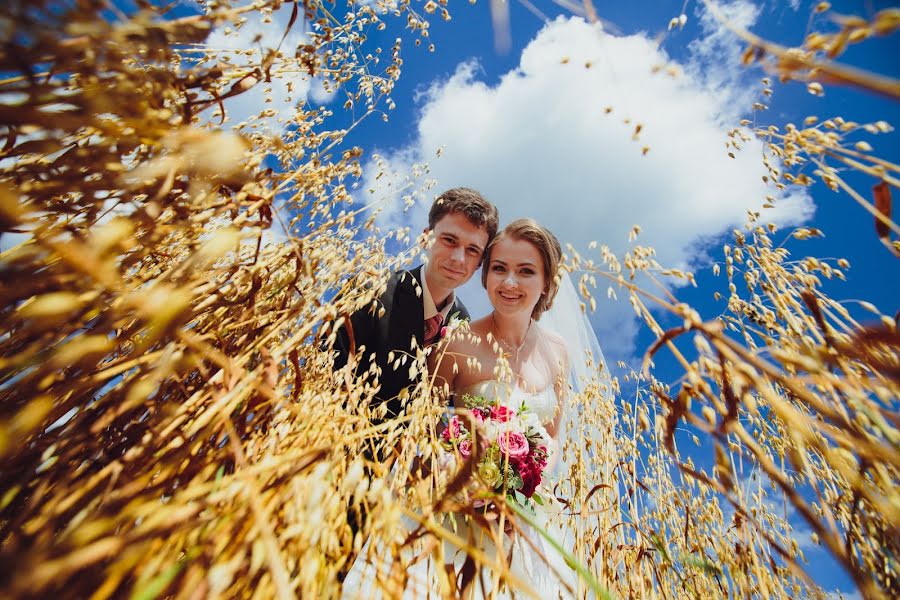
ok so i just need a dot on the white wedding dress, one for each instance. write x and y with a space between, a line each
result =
532 559
525 551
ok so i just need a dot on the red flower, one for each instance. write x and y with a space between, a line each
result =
502 413
530 472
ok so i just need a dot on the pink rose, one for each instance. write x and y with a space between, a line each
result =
502 413
465 448
443 332
452 431
478 416
513 444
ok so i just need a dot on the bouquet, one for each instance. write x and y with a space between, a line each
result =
515 448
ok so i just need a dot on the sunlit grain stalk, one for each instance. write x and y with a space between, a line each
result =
169 421
802 338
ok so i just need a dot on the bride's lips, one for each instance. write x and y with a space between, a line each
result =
509 297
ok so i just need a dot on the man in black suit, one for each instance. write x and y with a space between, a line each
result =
418 302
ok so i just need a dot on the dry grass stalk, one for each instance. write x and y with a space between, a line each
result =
170 424
793 395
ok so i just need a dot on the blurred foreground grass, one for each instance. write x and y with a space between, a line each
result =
169 422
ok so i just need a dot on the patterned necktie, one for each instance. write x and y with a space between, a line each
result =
433 328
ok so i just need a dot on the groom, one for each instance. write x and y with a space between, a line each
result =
418 302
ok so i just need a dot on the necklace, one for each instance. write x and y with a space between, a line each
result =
511 347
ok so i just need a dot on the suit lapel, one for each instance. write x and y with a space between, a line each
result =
409 304
459 309
410 315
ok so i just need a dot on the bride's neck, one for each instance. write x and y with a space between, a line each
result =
513 329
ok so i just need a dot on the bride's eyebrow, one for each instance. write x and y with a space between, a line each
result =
497 261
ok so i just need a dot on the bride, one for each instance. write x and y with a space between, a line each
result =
519 354
513 360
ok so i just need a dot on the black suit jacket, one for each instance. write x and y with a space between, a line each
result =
403 320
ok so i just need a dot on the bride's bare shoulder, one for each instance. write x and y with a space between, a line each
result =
478 330
551 337
482 325
553 343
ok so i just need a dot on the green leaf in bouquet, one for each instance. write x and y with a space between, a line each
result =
520 499
513 480
470 401
492 452
537 498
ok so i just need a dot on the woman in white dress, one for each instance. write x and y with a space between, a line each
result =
516 361
513 360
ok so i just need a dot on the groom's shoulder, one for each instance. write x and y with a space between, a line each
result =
400 292
385 291
405 280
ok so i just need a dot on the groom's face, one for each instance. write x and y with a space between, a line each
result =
456 252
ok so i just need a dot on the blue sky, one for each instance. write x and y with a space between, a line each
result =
531 133
528 127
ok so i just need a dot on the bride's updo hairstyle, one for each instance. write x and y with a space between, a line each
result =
546 243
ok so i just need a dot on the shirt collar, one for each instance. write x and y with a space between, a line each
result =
428 301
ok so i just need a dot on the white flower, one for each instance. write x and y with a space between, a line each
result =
446 461
529 420
542 432
492 430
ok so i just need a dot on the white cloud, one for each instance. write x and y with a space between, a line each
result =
539 144
715 55
319 94
248 46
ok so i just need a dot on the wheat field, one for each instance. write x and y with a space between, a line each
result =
170 422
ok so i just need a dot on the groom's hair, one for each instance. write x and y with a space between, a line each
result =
551 253
469 203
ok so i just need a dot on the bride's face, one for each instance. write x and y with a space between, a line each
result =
515 278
